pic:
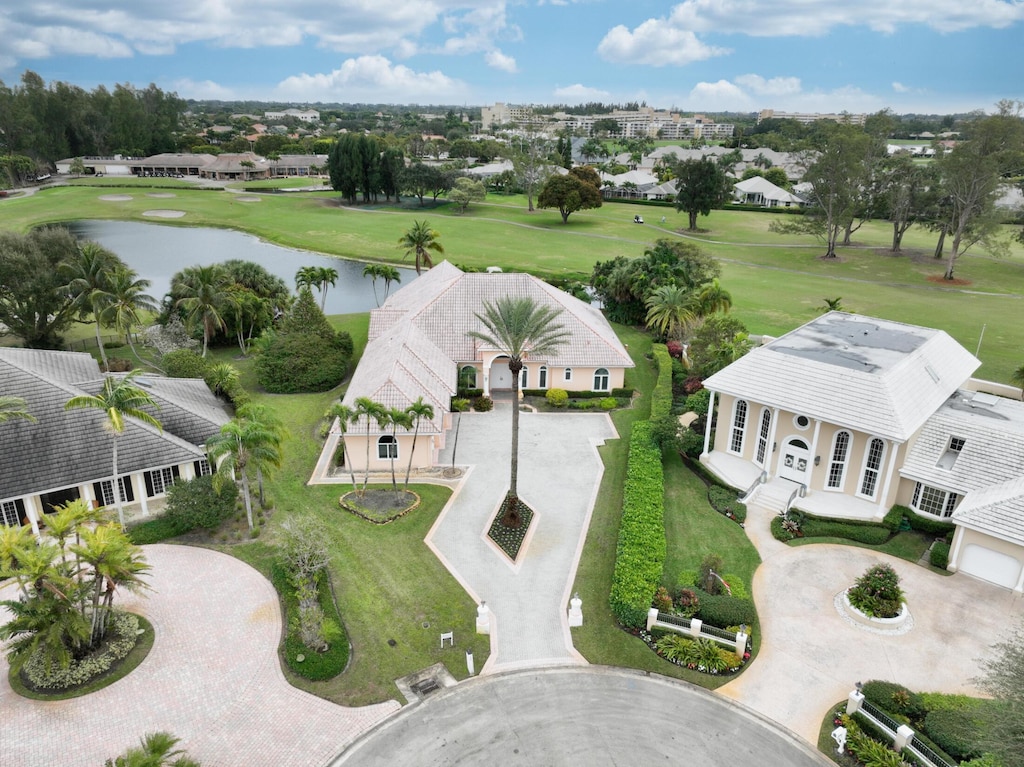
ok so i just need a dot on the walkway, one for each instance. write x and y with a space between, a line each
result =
212 679
559 475
811 656
578 716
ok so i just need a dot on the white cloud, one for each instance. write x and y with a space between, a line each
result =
499 60
206 89
721 96
900 87
655 43
371 79
579 93
776 86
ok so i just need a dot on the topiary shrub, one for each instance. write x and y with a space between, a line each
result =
698 402
608 403
302 362
557 397
725 611
483 404
184 363
877 592
939 555
198 503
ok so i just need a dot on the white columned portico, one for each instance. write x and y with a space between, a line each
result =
772 434
894 448
707 424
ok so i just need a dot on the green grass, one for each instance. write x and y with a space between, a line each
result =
119 671
909 545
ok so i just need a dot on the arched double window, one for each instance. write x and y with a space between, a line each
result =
467 377
739 426
762 436
601 379
542 377
387 447
873 459
837 466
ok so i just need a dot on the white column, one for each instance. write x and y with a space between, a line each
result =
814 447
32 512
903 736
854 702
707 425
954 555
773 432
894 448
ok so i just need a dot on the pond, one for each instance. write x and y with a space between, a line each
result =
157 252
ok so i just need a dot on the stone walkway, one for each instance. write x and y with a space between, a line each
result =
211 679
811 656
559 475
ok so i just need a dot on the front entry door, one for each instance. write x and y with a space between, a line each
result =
794 462
501 376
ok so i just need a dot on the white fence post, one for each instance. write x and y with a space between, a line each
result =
854 702
741 643
483 619
652 616
576 611
695 624
903 737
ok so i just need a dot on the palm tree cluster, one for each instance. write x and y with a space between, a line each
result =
67 584
253 439
419 241
155 749
102 287
319 277
383 272
518 328
367 412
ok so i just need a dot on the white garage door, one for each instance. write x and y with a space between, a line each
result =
989 565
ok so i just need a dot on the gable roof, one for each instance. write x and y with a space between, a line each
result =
877 376
64 448
997 510
764 187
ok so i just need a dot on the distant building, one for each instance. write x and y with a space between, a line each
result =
809 117
645 121
304 115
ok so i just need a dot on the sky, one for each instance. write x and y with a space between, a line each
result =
925 56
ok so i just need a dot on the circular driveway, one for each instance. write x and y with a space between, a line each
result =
578 715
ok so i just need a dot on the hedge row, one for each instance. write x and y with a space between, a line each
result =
917 522
640 553
661 399
617 393
816 527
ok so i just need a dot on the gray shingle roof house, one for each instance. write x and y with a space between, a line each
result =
418 346
67 454
848 415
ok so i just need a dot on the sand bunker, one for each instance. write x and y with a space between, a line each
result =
247 199
115 197
163 213
160 194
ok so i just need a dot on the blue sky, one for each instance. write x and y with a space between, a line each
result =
933 56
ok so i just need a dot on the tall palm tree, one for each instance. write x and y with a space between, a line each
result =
417 411
204 293
88 276
711 298
385 272
243 442
276 434
669 310
518 327
372 411
326 275
14 407
373 272
119 398
345 416
127 299
397 418
420 240
307 277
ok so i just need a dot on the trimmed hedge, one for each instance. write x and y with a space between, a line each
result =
723 610
723 499
640 553
152 531
618 393
813 526
939 555
917 522
955 732
661 399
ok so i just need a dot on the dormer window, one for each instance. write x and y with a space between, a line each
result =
953 449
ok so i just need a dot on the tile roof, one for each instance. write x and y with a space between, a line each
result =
64 448
876 376
997 510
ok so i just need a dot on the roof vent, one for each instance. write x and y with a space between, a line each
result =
984 399
494 270
931 372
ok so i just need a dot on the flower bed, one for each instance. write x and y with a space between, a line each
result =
380 506
510 539
122 636
702 655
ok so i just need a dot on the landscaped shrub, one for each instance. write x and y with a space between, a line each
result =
640 553
724 501
709 575
877 592
184 363
922 524
894 517
894 698
314 665
874 534
691 443
661 398
123 628
198 503
737 588
557 397
470 393
152 531
624 393
955 732
608 403
698 402
685 602
483 404
662 600
939 555
303 362
725 611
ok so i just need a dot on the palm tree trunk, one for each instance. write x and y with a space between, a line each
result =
515 366
248 499
412 452
117 489
366 476
259 483
99 344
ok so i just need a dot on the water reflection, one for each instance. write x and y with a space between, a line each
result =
158 252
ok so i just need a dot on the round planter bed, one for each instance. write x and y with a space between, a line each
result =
901 624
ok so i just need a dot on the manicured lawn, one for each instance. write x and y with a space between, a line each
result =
909 545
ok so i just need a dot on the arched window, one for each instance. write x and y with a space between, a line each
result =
739 426
873 459
524 378
762 435
387 447
601 379
467 377
837 466
542 375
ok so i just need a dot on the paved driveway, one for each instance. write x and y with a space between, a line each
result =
811 656
212 679
578 716
559 475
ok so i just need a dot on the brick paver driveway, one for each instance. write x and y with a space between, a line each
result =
212 679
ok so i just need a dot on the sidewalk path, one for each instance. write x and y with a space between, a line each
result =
559 475
211 679
811 656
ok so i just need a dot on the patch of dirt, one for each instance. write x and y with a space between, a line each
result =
955 282
381 505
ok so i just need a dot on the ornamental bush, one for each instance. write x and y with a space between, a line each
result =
640 552
122 638
300 362
877 592
608 403
725 611
483 404
198 503
724 501
184 363
939 555
955 732
557 397
698 402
